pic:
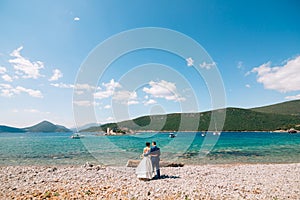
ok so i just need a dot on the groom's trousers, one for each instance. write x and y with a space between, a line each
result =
155 164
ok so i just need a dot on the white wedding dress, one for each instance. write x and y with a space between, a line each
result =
145 170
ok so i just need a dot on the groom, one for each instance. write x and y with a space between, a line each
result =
154 153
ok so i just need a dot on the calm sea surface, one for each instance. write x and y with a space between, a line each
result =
190 148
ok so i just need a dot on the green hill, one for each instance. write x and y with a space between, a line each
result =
286 108
269 118
244 119
8 129
45 127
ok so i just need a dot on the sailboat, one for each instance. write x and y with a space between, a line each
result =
76 136
216 132
172 135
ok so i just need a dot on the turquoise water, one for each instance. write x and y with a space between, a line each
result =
190 148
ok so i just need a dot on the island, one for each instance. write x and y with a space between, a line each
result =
42 127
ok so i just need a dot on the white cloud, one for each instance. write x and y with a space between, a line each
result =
80 89
99 94
83 103
62 85
111 85
6 93
25 67
9 91
78 86
6 90
189 62
293 97
56 75
284 78
132 102
3 70
76 19
248 73
103 94
109 90
5 86
31 110
240 65
248 86
84 86
207 65
149 102
7 78
79 92
30 92
163 89
125 97
109 119
86 103
107 106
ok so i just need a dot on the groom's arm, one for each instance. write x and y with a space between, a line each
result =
153 153
147 154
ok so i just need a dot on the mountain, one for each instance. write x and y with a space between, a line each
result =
269 118
8 129
74 129
246 119
286 108
43 127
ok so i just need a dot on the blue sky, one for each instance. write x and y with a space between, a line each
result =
254 44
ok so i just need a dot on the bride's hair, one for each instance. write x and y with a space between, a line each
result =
148 144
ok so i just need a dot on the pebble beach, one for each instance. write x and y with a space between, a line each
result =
232 181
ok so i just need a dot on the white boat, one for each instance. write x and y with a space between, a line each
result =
172 135
292 130
217 133
76 136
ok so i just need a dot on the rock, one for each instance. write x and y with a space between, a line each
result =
98 167
88 165
135 163
52 169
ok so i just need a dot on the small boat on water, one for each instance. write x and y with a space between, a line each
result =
292 130
172 135
76 136
203 134
216 133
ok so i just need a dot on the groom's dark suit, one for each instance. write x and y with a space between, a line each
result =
155 153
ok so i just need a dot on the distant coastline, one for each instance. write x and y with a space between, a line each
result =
43 127
274 118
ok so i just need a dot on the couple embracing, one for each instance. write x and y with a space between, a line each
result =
150 163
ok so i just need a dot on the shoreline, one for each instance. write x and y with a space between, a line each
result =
185 165
151 131
210 181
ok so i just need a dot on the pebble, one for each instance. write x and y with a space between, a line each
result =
236 181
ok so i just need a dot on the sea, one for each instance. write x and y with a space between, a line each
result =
193 148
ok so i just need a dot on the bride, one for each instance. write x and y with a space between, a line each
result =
144 170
